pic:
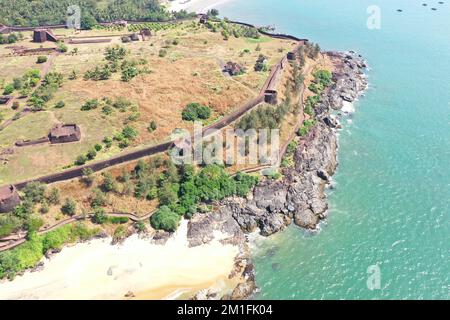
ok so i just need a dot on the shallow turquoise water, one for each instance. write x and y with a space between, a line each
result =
391 206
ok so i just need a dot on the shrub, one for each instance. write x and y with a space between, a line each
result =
152 126
89 105
107 141
119 233
9 223
118 220
162 53
109 182
33 224
8 89
62 47
54 196
306 127
91 154
17 83
129 133
195 111
81 159
165 219
98 199
60 104
34 192
98 147
41 59
99 216
69 207
15 105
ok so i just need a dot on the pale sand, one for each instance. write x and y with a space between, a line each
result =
98 270
199 6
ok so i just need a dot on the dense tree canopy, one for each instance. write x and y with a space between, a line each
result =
47 12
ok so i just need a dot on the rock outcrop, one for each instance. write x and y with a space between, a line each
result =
300 195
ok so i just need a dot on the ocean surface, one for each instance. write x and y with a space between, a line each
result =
391 205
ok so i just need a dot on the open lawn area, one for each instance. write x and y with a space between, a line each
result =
180 64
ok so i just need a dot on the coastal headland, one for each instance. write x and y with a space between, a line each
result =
297 194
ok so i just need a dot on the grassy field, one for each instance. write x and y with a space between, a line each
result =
190 72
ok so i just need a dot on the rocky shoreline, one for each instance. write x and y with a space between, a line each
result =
299 196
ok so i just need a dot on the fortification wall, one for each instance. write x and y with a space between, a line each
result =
97 166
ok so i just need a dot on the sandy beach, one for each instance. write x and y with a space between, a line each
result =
199 6
99 270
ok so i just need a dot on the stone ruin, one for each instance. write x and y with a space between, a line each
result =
9 198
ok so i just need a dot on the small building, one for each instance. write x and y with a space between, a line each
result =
9 198
271 97
63 133
6 99
145 33
291 55
5 29
233 68
134 37
204 18
43 35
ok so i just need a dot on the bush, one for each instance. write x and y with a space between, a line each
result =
81 160
9 224
91 154
69 207
62 47
41 59
54 196
98 199
306 127
60 104
99 216
88 176
129 133
33 224
118 220
98 147
195 111
8 89
165 219
109 182
152 126
162 53
34 192
17 83
89 105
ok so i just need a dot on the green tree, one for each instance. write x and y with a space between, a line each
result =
69 207
99 216
54 196
34 192
109 182
165 219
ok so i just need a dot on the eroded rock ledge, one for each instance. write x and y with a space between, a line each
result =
299 196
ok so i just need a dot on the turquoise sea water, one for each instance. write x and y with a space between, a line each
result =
391 206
